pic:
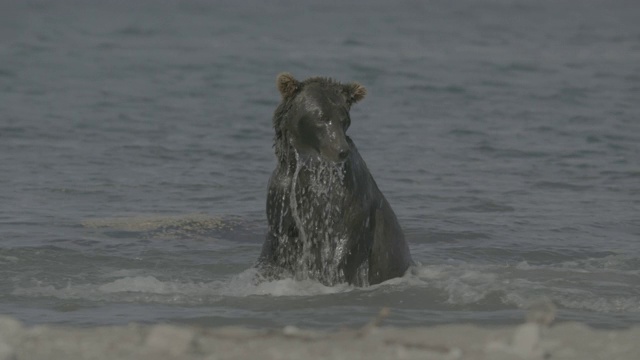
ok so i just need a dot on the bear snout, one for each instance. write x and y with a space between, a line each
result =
337 151
335 147
335 154
343 154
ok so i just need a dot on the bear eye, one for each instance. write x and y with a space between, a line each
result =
313 121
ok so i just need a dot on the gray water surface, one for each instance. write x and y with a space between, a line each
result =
136 146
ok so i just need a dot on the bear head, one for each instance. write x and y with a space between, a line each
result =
313 117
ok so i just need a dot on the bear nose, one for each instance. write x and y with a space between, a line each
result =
343 154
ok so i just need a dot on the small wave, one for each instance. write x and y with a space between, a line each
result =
558 185
247 283
447 89
145 284
482 206
193 226
606 305
8 259
599 285
519 67
137 289
149 289
135 30
155 223
616 264
461 285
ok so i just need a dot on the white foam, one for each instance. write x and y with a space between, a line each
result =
246 284
8 259
127 289
520 284
460 284
145 284
151 289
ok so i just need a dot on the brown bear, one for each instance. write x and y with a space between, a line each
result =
328 221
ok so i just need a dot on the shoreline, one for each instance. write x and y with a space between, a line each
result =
531 340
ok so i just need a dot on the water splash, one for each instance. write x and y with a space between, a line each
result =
316 203
294 204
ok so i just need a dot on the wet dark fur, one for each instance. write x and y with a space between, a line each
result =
338 227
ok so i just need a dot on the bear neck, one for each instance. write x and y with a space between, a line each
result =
284 151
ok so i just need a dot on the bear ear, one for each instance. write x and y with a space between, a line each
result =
287 85
355 92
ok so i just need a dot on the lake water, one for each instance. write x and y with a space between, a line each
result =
136 147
